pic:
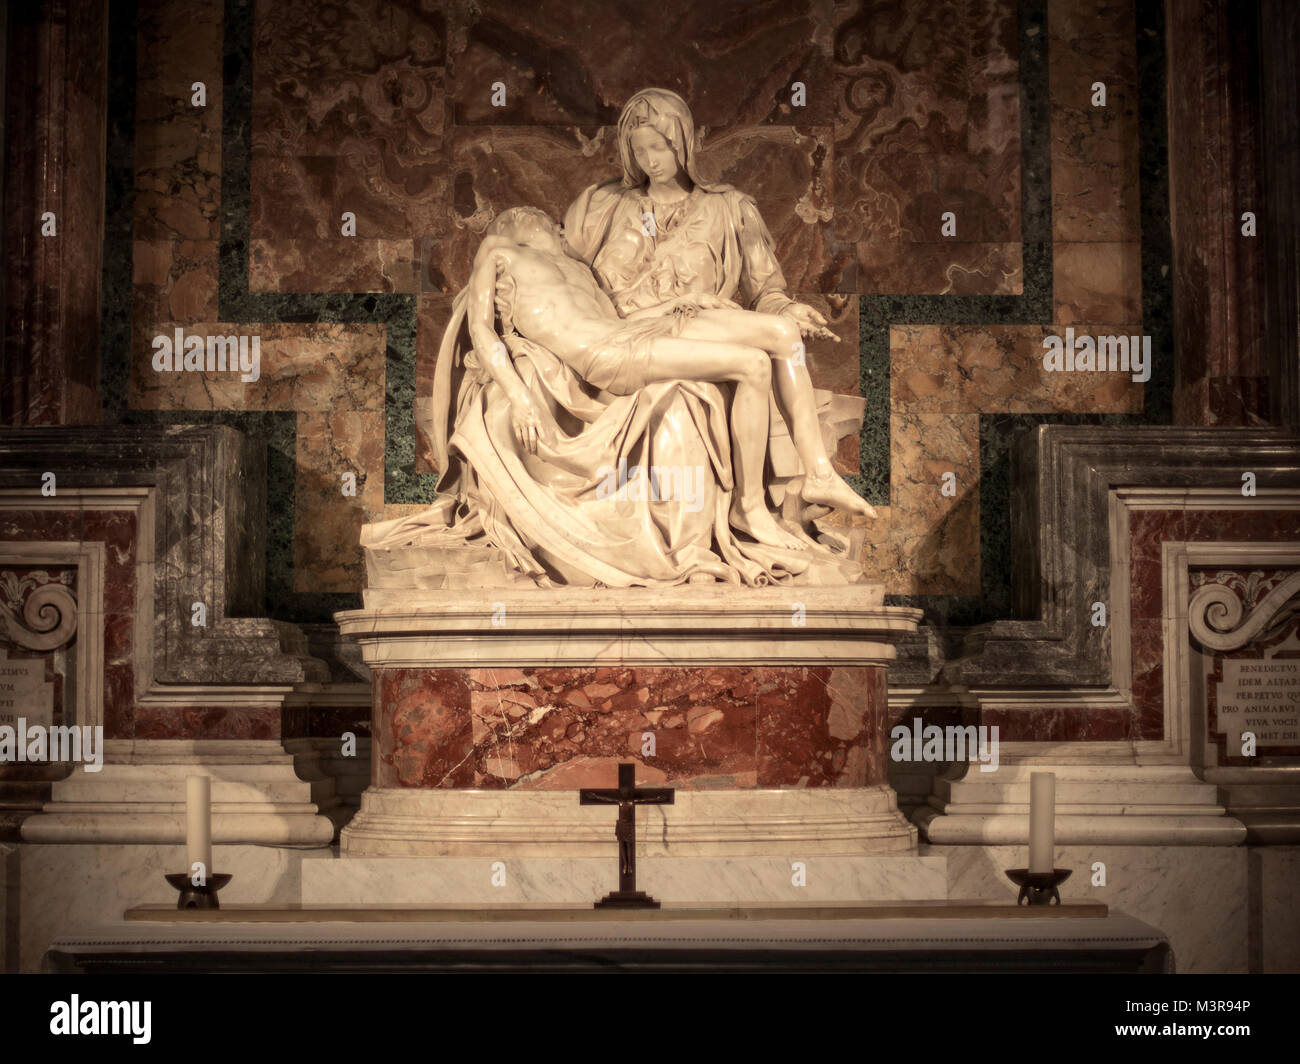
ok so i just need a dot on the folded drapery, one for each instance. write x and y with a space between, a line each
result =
623 491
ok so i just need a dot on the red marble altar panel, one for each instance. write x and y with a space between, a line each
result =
552 729
207 722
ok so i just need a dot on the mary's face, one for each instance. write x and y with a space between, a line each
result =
654 154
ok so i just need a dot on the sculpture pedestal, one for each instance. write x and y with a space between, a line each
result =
765 708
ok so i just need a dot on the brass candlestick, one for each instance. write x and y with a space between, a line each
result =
1038 888
202 897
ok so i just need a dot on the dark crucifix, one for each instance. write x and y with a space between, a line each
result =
628 798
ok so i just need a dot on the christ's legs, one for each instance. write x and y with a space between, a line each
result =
673 358
780 338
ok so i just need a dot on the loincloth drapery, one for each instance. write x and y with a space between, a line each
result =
620 363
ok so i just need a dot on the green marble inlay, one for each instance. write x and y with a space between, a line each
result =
999 432
397 312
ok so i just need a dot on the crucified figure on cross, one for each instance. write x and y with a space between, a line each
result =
627 797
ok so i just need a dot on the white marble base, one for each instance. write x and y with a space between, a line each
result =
1225 909
434 881
1275 929
1197 895
138 796
1096 804
59 887
808 821
8 908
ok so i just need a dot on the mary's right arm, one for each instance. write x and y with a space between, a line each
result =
587 221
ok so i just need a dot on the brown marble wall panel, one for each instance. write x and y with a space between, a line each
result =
328 522
349 114
178 145
304 366
933 538
304 197
347 77
174 281
499 167
177 200
941 378
786 169
1094 149
340 265
561 728
928 121
893 266
789 172
579 61
1098 281
998 368
835 366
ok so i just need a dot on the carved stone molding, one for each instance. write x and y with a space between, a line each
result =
1215 614
45 620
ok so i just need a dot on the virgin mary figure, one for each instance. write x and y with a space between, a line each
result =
585 503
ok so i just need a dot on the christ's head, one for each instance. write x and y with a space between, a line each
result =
529 226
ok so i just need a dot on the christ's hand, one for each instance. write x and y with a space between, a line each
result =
526 422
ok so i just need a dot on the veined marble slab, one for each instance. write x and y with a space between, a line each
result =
433 881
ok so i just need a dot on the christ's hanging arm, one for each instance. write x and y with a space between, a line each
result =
480 315
490 350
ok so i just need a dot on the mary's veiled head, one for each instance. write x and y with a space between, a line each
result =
666 113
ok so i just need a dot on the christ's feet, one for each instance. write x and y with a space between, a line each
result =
758 522
833 492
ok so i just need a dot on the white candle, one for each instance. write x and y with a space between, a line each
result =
1042 817
198 822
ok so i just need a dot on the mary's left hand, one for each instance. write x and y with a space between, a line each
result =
812 325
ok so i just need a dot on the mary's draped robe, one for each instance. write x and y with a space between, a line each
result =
583 511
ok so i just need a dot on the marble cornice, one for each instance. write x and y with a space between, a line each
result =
200 492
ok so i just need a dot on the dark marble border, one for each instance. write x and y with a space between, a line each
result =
116 286
1000 432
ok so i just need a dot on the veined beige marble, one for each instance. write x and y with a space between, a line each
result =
631 626
625 401
61 887
1197 895
813 821
138 796
544 881
1150 805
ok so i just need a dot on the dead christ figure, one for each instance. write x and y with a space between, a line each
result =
551 299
